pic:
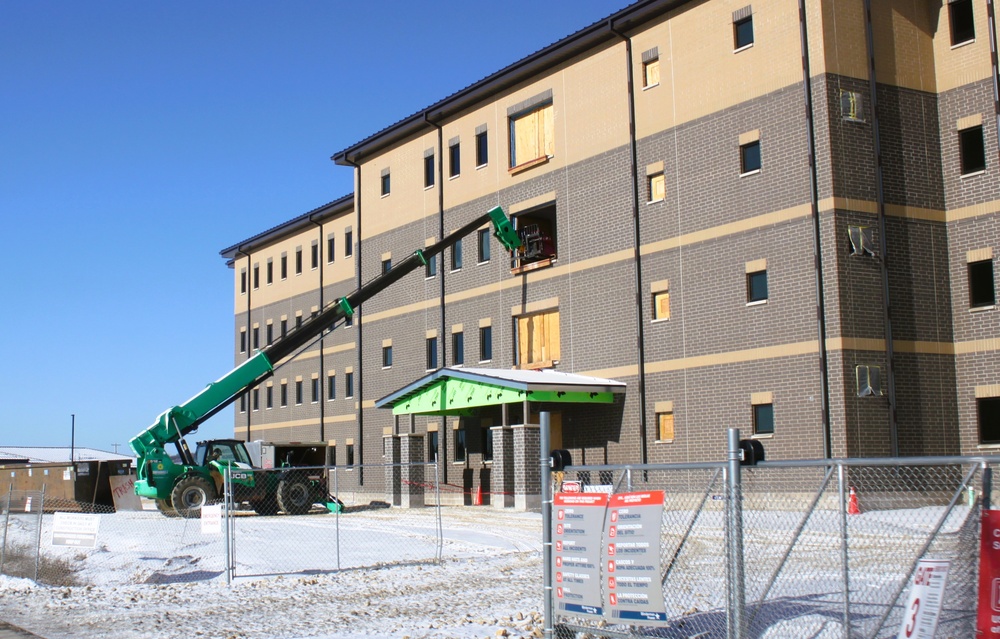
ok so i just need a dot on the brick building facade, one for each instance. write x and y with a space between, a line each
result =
690 246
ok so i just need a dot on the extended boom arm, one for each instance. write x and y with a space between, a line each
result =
172 425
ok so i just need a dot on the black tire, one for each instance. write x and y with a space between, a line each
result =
166 507
560 459
190 494
295 497
266 507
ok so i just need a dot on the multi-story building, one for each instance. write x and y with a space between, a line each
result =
751 216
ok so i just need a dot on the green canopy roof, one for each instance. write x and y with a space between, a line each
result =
456 391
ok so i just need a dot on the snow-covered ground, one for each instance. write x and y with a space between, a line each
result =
489 584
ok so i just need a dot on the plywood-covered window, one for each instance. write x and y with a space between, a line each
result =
532 136
538 340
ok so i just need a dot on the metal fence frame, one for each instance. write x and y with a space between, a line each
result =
740 613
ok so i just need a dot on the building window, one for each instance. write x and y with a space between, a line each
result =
349 321
298 392
269 272
298 320
298 260
661 305
256 276
869 380
387 356
459 434
284 328
963 27
742 28
331 387
763 419
487 443
972 150
485 343
650 73
432 353
243 403
432 446
386 266
349 385
657 187
457 349
283 394
861 240
385 183
430 270
243 281
350 454
314 255
988 413
482 149
456 256
981 290
538 340
537 230
483 244
269 333
756 287
532 137
315 390
429 171
269 397
256 399
750 157
454 159
243 340
348 243
852 106
284 266
256 337
665 426
331 248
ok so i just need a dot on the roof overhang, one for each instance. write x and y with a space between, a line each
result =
457 391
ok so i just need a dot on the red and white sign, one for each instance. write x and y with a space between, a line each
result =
988 621
572 487
923 603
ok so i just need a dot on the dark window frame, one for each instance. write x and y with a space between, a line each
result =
982 287
757 287
962 22
458 348
751 160
485 343
763 419
743 35
431 353
988 420
482 149
971 150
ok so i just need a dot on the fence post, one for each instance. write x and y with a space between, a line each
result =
437 499
6 524
737 586
336 492
38 539
844 568
227 494
987 485
546 486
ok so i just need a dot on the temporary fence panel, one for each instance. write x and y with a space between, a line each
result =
797 553
350 523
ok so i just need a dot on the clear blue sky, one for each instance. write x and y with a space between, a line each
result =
139 139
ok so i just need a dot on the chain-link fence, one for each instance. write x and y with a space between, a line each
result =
301 520
779 550
348 520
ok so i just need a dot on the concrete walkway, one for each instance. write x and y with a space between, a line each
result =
8 631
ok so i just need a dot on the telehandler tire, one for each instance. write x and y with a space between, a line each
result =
166 507
265 507
190 494
295 497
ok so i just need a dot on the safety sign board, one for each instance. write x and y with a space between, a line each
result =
75 529
631 557
923 602
988 619
577 552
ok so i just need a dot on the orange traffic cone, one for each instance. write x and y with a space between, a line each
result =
478 499
852 504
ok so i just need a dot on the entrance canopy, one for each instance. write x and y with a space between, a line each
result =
455 391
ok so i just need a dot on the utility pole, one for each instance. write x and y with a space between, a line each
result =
115 446
72 438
